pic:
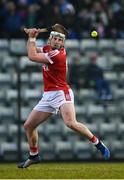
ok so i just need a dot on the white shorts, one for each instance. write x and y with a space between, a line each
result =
52 100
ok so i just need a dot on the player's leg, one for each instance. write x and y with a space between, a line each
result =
68 114
35 118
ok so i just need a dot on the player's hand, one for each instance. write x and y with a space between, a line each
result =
32 33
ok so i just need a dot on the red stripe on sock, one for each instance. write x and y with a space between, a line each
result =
93 139
34 149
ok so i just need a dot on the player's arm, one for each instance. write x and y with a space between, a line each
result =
39 50
33 54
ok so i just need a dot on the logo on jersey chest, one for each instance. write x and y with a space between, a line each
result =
45 67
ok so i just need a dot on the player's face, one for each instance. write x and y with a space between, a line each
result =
56 42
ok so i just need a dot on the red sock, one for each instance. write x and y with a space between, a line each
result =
94 140
33 150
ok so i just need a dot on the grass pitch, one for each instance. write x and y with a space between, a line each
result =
64 171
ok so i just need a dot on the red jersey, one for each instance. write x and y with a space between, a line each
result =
55 72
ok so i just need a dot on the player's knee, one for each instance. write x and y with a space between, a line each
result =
26 126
